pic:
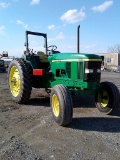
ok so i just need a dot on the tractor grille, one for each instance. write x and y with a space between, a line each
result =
95 67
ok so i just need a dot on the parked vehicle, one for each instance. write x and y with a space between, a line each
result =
2 66
7 59
115 68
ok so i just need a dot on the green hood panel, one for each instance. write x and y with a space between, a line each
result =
74 57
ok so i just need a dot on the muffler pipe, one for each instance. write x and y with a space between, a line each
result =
78 39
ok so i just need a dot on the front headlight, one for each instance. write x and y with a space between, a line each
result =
98 70
88 70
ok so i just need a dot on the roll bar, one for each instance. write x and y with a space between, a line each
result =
36 34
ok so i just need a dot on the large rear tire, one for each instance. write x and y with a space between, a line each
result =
20 80
61 104
107 98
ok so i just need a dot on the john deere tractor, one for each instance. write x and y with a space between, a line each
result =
62 75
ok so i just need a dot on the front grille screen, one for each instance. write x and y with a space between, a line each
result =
95 76
93 65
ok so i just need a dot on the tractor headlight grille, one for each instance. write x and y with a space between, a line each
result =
92 71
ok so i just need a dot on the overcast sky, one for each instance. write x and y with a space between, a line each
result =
99 21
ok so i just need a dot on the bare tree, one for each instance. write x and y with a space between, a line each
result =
114 49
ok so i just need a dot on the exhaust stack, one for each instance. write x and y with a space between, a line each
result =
78 39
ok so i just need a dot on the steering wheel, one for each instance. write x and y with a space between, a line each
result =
53 48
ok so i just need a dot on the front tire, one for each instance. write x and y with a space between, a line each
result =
107 98
20 80
61 104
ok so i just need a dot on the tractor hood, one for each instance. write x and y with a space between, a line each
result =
59 57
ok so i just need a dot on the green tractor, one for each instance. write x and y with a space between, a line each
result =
62 75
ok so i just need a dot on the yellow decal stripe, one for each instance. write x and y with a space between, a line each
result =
77 60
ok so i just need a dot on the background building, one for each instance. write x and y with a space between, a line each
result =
111 60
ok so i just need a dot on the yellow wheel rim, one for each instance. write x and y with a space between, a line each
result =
55 105
14 81
104 98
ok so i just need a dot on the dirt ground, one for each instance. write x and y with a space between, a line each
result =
28 132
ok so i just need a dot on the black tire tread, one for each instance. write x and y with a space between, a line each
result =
68 102
115 96
26 80
66 116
